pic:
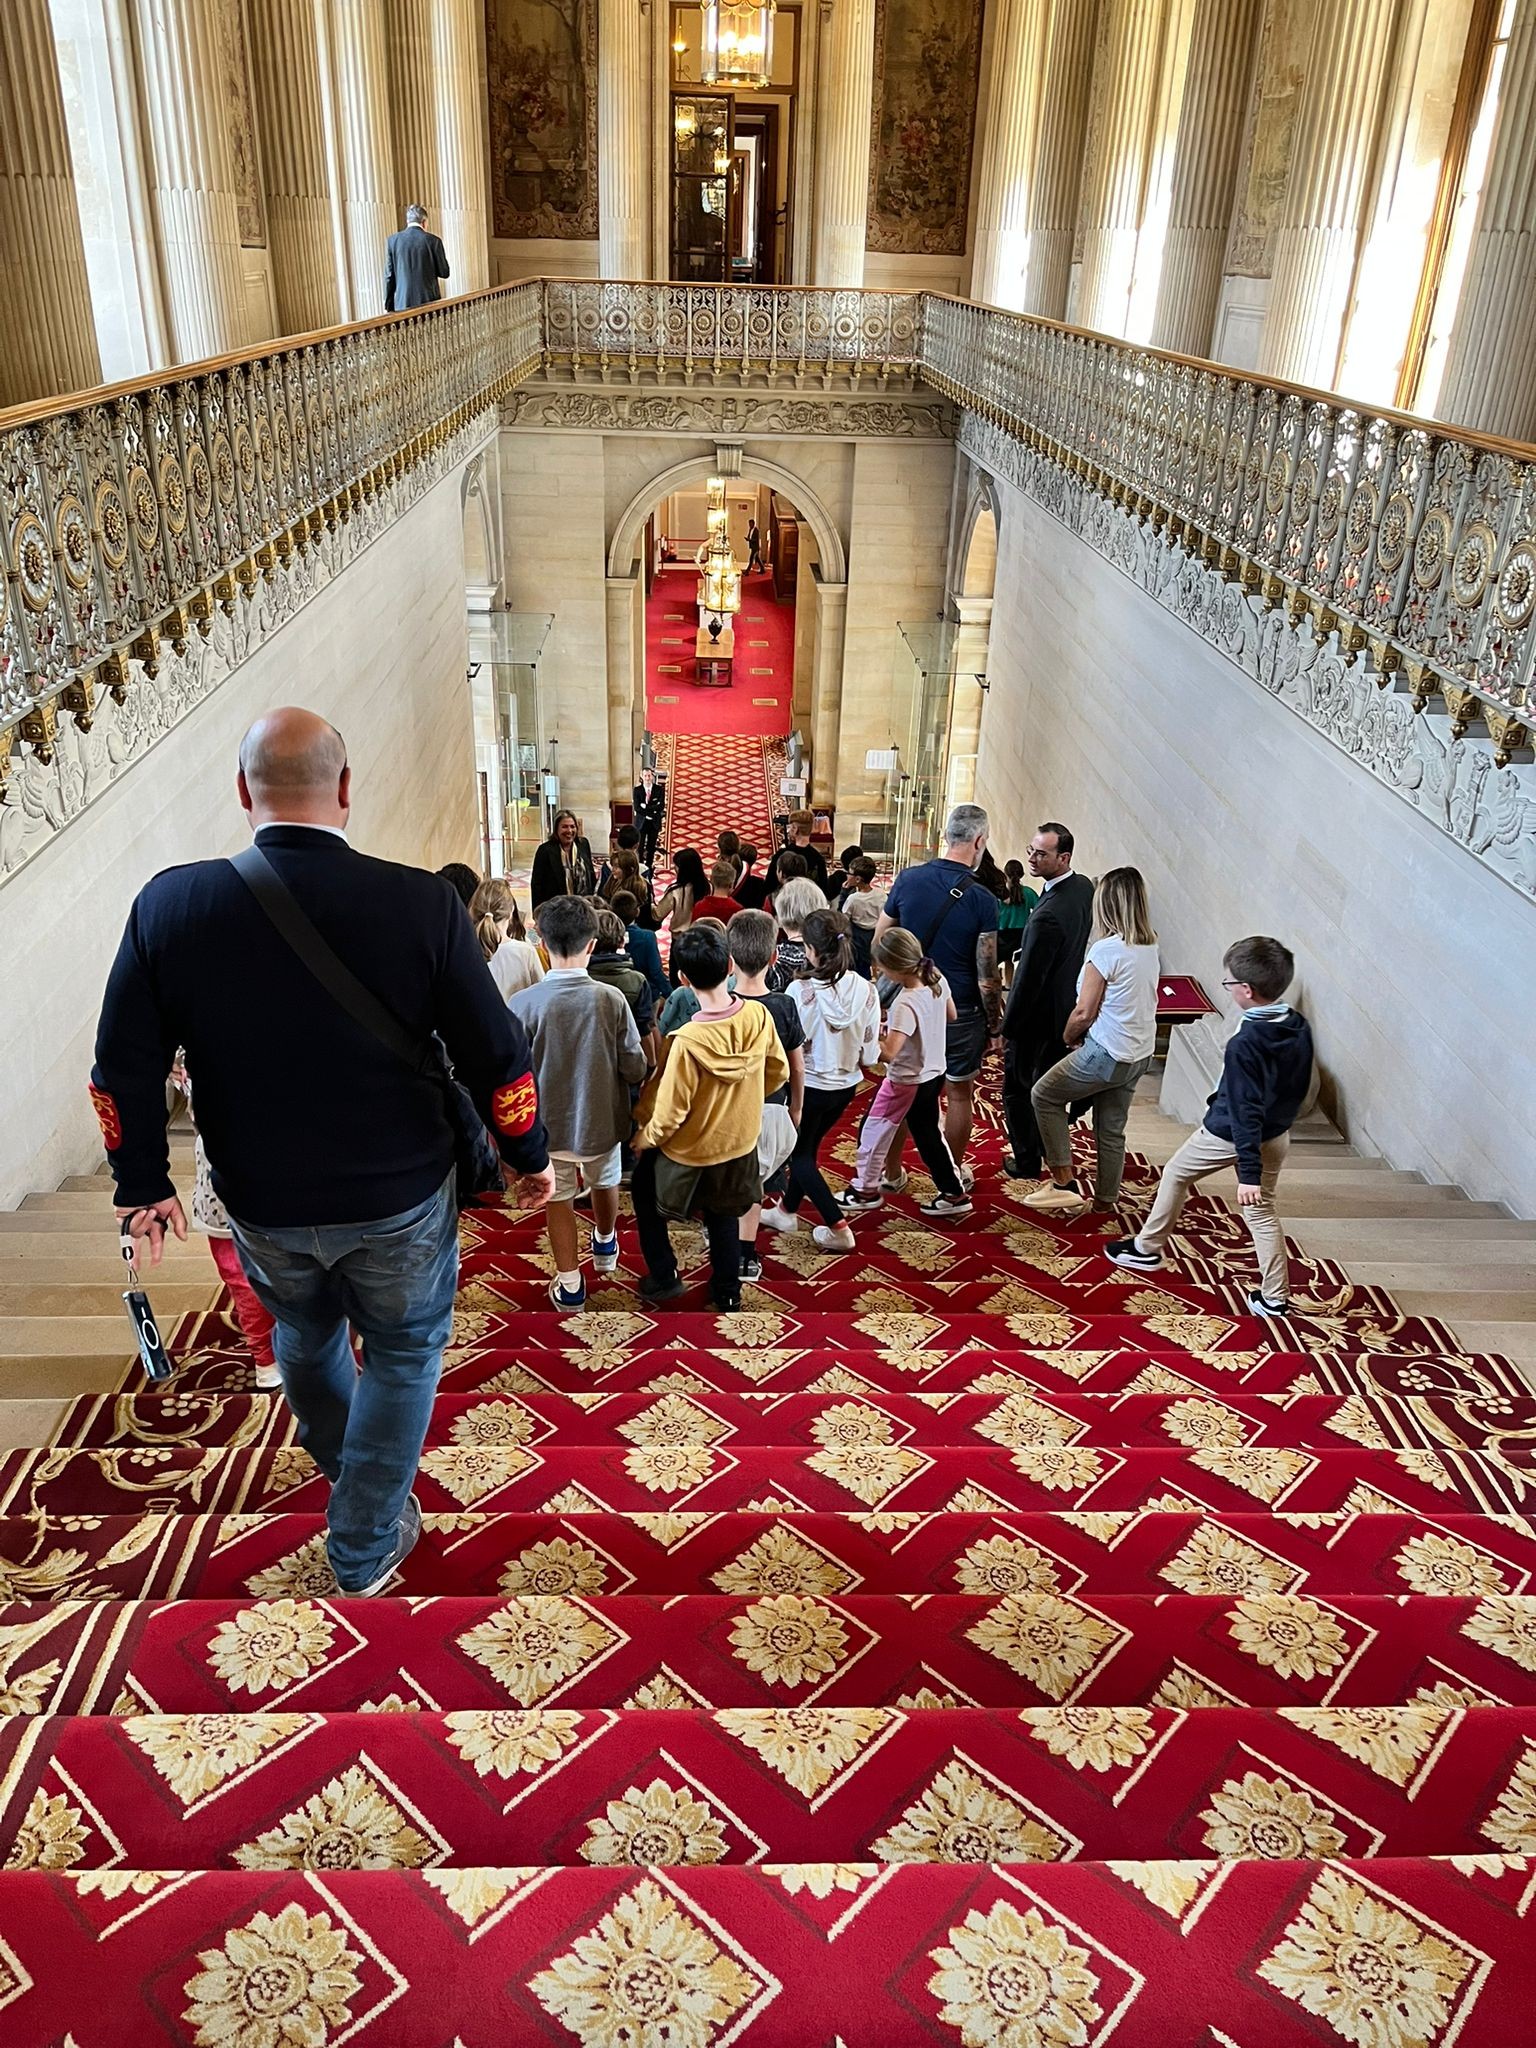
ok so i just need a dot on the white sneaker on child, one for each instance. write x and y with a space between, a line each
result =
269 1379
781 1219
827 1239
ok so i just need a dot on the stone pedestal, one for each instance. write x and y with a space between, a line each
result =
844 110
50 336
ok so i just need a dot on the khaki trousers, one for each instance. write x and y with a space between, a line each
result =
1204 1153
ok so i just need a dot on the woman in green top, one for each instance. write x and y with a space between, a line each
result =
1014 906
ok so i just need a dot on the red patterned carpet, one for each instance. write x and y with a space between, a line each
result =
716 781
967 1643
758 699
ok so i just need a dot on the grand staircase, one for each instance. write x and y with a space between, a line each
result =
966 1643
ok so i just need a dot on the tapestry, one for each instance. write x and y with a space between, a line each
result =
1271 138
240 122
542 66
927 60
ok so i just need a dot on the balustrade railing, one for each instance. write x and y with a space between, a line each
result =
129 513
1408 539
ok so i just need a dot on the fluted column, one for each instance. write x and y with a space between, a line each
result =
1490 372
1056 187
290 111
1010 136
623 141
192 176
1317 241
845 94
1210 139
355 65
1131 53
49 341
458 32
412 94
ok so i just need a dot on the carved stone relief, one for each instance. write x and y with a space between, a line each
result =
240 120
726 415
1453 781
1269 141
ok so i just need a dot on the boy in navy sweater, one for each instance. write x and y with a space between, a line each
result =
1265 1079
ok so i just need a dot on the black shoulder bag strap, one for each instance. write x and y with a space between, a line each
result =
966 881
334 976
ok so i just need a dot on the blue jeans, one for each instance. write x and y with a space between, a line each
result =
395 1280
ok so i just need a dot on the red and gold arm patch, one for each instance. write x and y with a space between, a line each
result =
515 1107
107 1116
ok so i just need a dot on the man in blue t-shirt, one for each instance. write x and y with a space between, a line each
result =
954 919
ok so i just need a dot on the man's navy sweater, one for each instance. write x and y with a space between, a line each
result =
1264 1081
306 1117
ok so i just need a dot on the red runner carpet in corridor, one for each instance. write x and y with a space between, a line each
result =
967 1643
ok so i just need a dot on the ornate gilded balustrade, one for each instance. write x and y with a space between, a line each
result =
754 333
134 513
1416 544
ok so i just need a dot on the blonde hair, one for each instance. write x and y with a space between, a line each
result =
492 906
794 902
1120 907
900 952
722 878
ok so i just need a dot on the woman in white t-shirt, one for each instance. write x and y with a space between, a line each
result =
1111 1033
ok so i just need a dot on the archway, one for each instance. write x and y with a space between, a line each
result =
971 605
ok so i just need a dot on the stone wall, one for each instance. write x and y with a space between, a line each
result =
1414 960
382 653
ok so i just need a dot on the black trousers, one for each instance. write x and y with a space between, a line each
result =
1024 1061
656 1243
823 1107
923 1121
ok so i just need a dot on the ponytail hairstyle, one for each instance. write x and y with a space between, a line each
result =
898 951
828 949
1120 907
1014 893
492 906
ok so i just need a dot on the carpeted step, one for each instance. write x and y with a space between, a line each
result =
719 1476
1272 1649
415 1789
1391 1954
141 1557
1013 1420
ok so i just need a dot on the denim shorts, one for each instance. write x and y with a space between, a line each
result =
965 1045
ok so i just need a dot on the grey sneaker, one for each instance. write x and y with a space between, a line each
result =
1259 1304
410 1529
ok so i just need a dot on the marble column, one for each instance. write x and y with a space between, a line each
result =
1205 174
192 175
625 600
623 141
412 100
458 46
50 336
1316 244
1490 371
827 686
292 116
1058 178
355 66
845 98
1128 100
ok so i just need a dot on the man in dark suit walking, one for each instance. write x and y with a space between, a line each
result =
414 261
1044 990
333 1155
650 814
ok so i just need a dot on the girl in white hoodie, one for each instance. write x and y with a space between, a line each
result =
840 1013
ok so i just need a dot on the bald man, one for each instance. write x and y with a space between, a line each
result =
332 1152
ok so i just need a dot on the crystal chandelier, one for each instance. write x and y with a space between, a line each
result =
720 588
738 43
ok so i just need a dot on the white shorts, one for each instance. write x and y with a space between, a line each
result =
602 1170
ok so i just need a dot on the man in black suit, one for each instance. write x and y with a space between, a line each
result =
1044 990
650 814
414 261
333 1156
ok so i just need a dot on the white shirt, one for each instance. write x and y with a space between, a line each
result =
515 965
923 1014
1126 1026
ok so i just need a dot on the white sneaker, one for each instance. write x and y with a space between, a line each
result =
269 1379
968 1179
826 1239
894 1183
1051 1200
780 1219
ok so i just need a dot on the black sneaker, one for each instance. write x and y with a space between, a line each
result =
652 1289
410 1529
726 1304
860 1199
1014 1171
751 1266
1259 1304
1126 1252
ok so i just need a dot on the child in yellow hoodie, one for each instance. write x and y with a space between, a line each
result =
697 1150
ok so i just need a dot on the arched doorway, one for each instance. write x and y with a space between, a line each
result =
972 605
